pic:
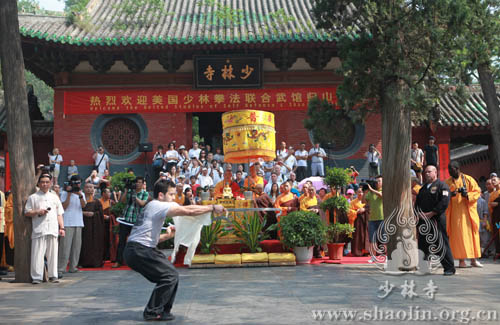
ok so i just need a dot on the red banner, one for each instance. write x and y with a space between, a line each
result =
176 101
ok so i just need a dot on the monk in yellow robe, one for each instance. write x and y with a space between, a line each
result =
253 179
494 195
462 220
308 201
179 194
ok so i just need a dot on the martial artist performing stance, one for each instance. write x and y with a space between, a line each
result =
142 255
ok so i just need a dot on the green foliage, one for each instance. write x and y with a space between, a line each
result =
118 180
337 177
33 7
250 232
338 203
117 209
302 229
321 115
337 232
388 45
169 243
210 235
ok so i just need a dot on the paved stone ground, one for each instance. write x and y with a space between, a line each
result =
272 295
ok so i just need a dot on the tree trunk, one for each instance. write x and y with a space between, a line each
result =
398 211
18 133
493 107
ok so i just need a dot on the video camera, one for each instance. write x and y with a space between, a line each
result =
47 169
130 184
75 185
462 190
365 182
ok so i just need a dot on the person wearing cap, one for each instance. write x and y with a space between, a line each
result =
349 195
204 179
431 153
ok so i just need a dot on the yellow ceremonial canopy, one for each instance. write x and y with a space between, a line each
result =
248 135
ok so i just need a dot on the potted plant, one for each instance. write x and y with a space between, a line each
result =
337 205
336 235
302 230
249 230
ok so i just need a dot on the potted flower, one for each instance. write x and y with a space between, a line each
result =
302 230
337 205
249 230
336 235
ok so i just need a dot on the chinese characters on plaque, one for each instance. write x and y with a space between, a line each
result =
227 71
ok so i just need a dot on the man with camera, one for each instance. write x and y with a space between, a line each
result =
135 198
432 200
462 219
101 161
72 201
45 210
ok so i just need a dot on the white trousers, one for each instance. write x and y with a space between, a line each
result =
45 246
317 169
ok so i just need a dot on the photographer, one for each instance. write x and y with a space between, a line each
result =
373 198
135 198
72 201
101 161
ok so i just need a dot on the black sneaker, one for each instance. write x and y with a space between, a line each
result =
162 317
59 275
449 272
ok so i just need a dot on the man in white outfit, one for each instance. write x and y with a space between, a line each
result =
317 155
46 212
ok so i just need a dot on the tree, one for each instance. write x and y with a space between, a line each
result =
393 56
480 47
18 133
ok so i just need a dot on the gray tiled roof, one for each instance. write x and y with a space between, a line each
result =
184 22
471 114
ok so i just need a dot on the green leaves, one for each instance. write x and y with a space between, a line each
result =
210 235
302 229
337 177
338 232
118 180
249 230
339 203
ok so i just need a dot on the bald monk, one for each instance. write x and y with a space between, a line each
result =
462 220
494 209
286 201
253 179
228 179
309 202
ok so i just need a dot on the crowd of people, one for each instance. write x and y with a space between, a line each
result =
89 234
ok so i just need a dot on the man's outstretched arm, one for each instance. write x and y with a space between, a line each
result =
194 210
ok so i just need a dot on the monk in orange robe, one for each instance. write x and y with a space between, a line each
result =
286 201
253 179
228 179
179 194
309 202
462 220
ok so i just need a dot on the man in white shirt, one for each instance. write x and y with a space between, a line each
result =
290 163
219 156
216 172
194 152
373 156
55 160
142 255
317 155
282 152
101 161
204 179
301 156
274 179
72 201
45 210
